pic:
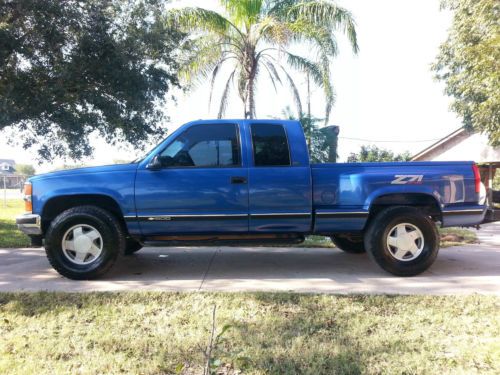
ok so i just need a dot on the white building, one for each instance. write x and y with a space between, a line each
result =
465 145
461 145
7 166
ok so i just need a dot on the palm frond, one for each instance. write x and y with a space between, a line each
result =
306 66
215 74
295 91
279 7
271 78
273 31
200 19
225 95
200 64
320 36
273 70
324 13
327 87
243 12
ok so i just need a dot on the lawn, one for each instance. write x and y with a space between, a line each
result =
163 333
10 236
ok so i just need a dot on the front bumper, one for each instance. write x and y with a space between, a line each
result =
30 224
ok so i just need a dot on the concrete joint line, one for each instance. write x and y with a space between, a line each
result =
208 268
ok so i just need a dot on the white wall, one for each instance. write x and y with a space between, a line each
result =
474 148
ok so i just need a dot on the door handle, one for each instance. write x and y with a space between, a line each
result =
238 180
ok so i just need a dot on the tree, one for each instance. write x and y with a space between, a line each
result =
25 169
69 68
317 141
469 64
254 37
375 154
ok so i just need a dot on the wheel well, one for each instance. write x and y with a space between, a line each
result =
56 205
423 201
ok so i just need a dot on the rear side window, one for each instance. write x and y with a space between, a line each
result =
270 145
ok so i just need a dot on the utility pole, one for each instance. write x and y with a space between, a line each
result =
308 136
308 96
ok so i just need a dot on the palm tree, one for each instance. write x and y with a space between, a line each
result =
255 37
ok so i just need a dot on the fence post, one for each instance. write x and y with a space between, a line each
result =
4 191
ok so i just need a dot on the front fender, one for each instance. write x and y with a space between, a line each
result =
118 186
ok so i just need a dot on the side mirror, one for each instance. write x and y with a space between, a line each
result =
154 164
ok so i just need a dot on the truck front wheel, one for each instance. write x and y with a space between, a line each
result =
402 240
83 242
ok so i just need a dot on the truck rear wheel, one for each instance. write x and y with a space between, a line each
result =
349 244
84 242
402 240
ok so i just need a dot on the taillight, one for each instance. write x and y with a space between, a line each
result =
28 191
477 177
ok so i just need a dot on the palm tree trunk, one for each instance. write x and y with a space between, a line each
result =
251 71
251 98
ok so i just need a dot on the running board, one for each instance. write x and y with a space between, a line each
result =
224 240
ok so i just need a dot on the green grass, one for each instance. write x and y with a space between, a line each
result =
161 333
316 241
461 236
10 236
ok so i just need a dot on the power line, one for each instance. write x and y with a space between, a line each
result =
386 141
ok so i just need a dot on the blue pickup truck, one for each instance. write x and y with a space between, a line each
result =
247 182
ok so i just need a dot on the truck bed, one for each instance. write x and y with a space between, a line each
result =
343 193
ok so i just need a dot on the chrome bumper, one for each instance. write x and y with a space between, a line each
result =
30 224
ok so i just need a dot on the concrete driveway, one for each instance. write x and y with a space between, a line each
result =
458 270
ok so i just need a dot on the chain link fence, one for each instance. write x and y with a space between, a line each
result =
11 186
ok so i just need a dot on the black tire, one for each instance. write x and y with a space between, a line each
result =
108 227
349 244
132 246
377 247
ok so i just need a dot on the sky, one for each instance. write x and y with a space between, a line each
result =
386 95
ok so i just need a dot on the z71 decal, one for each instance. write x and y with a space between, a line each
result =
412 179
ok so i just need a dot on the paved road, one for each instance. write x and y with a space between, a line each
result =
460 270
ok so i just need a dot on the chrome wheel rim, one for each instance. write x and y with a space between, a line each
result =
405 242
82 244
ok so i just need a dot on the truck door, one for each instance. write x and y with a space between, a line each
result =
279 179
200 186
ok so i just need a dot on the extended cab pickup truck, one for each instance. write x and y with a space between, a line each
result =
248 181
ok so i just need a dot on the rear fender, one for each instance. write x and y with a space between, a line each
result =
397 192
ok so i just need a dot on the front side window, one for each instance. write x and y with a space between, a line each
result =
204 146
270 145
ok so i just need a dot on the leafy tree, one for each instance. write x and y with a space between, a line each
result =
69 68
317 140
255 37
469 63
376 154
25 169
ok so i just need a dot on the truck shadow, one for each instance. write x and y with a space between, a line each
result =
247 262
475 267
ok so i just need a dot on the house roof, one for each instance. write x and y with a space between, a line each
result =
443 144
8 161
